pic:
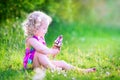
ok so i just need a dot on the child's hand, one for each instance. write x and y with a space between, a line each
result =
55 51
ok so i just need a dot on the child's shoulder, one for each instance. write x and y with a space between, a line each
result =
31 39
28 39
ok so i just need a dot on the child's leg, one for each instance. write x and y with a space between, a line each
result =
41 59
66 66
35 61
62 64
85 70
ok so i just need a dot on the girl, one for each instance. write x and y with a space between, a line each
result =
35 27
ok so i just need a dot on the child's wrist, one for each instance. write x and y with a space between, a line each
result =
56 47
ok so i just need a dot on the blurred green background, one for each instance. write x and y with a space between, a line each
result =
91 31
105 11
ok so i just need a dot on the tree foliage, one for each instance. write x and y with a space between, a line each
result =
66 9
17 8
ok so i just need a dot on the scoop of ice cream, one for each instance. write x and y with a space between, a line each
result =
58 41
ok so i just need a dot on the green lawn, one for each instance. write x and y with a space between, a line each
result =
84 45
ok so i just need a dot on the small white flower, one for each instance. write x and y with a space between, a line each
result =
107 73
52 70
65 74
73 78
58 72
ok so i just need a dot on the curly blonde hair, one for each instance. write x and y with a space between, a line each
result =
29 25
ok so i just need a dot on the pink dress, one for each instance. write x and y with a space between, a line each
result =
29 53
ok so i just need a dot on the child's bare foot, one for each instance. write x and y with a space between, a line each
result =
90 70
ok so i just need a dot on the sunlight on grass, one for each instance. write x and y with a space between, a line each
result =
84 47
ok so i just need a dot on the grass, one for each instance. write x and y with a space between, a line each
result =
84 45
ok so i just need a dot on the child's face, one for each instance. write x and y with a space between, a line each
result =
43 28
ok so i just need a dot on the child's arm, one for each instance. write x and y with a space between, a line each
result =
41 48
